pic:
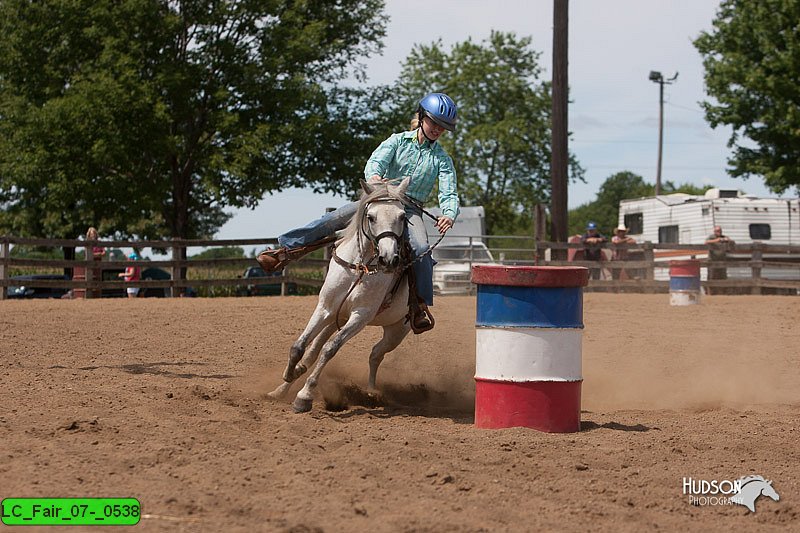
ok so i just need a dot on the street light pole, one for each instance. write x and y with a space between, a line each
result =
659 79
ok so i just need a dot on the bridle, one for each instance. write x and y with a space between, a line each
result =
374 239
406 200
368 268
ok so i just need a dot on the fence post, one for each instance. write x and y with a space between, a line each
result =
174 290
756 258
4 250
540 231
89 276
649 256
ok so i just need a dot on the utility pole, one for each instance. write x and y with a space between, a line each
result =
559 157
656 77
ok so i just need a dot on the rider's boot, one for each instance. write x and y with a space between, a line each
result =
274 260
420 317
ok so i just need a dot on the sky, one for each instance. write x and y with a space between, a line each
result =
613 114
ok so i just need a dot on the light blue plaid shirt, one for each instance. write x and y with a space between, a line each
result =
402 155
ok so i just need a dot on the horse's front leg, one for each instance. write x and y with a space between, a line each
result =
393 335
309 359
358 319
317 323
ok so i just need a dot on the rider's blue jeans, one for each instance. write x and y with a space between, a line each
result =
338 219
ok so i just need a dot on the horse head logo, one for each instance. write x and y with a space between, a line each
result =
751 488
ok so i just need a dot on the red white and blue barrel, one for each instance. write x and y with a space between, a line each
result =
684 282
529 331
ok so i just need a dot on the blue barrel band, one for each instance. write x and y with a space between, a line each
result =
530 307
681 283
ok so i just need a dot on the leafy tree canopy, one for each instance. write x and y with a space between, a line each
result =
222 252
148 118
752 64
604 210
501 146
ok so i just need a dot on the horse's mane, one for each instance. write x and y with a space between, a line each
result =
381 192
747 479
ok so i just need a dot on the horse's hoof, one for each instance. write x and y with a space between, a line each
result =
291 375
301 406
279 393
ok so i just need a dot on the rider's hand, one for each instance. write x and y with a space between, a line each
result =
444 224
376 179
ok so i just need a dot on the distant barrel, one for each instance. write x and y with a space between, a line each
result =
684 282
529 330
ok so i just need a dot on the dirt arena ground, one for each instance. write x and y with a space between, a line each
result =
164 401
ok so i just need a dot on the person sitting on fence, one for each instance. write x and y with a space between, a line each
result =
717 251
132 273
592 250
620 254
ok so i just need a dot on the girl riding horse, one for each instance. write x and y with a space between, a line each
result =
415 154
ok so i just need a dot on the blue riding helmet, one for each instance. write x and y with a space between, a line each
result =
441 109
591 225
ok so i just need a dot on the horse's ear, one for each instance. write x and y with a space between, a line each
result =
366 187
401 189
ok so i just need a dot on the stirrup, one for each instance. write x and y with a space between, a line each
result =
417 315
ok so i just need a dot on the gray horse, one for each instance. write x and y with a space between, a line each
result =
363 287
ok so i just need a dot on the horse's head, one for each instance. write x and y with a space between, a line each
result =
384 220
768 490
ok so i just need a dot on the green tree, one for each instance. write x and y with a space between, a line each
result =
604 209
501 147
222 252
752 64
148 118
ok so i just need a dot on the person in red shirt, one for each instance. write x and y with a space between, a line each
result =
132 273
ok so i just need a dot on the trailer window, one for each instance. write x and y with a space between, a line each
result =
634 223
668 234
760 232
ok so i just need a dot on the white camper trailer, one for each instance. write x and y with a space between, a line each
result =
462 246
687 219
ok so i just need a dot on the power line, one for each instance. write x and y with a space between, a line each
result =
630 141
696 110
671 167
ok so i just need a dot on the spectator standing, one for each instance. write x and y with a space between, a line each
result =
718 243
620 254
98 252
132 273
592 250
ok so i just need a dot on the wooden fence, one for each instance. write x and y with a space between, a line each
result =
176 267
647 271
